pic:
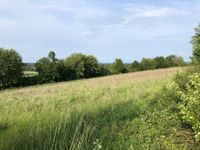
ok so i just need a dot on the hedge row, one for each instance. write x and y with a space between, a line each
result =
76 66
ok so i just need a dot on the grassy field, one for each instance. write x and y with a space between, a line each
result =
116 112
30 73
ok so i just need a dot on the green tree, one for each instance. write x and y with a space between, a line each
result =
52 56
118 67
196 45
91 66
179 61
170 61
147 64
50 68
160 62
135 66
104 70
10 67
174 61
81 66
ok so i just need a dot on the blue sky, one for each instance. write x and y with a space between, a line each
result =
108 29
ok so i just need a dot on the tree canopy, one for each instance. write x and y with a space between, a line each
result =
50 68
147 64
81 66
118 67
10 67
196 45
135 66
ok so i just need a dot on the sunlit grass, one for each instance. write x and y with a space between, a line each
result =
30 73
85 114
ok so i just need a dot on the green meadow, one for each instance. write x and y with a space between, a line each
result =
127 111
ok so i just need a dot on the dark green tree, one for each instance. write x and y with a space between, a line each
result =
50 68
147 64
170 61
81 66
160 62
10 67
174 61
135 66
103 70
52 56
118 67
91 66
196 45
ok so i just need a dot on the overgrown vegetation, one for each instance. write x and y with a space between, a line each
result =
50 68
76 66
130 111
118 67
81 66
189 104
143 110
196 46
187 88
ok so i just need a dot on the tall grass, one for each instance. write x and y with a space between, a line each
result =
116 112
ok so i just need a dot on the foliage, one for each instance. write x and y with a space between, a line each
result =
170 60
50 68
174 61
196 45
147 64
187 87
181 78
30 80
118 67
179 61
159 125
52 56
78 66
189 102
160 62
91 66
10 67
81 66
135 66
43 67
103 70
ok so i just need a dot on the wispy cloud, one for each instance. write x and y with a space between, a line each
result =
134 11
152 11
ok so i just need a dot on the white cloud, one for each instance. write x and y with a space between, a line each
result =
152 11
134 11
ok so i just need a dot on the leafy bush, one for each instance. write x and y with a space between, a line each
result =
174 61
81 66
160 62
30 80
147 64
196 45
50 68
187 89
190 103
118 67
135 66
10 67
103 70
181 78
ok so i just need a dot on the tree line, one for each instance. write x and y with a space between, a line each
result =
75 66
